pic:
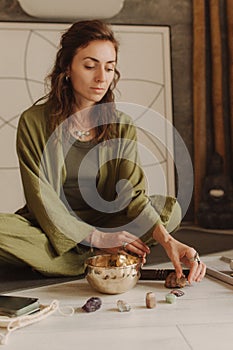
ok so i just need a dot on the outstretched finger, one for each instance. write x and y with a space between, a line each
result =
200 272
178 267
197 269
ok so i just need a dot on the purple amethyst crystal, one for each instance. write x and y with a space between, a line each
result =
92 304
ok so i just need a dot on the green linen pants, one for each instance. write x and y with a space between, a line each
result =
22 244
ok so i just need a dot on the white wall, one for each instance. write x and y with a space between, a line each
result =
27 55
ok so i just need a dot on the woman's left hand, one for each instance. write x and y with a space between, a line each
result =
180 253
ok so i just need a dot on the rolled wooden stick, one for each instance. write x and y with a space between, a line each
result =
229 8
199 99
217 80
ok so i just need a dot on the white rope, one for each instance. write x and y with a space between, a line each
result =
8 325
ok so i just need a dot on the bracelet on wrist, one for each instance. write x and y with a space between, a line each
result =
91 241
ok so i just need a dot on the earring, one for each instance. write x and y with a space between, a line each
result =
67 78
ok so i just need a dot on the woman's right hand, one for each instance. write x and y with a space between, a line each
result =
112 242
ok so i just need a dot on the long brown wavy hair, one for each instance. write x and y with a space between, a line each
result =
60 97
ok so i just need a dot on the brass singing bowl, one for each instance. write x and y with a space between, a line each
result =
113 273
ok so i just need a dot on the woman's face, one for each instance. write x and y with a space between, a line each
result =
92 71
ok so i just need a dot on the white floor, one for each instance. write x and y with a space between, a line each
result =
201 319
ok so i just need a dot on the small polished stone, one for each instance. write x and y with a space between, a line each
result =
92 304
150 300
170 298
172 281
123 306
177 292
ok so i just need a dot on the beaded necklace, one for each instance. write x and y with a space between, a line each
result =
81 133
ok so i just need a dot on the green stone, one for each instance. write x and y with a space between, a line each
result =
170 298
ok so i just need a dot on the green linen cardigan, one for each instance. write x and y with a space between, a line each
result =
42 167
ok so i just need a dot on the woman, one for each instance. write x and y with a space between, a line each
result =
61 223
